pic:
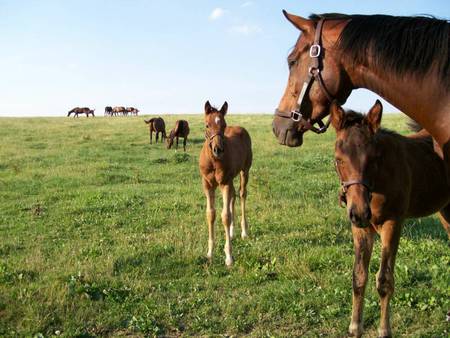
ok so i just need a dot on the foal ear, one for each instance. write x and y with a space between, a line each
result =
337 115
373 117
208 108
302 24
224 108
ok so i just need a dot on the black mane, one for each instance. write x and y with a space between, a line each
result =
400 44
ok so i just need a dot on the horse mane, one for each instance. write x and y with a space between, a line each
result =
400 44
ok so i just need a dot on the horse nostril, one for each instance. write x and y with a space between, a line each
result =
368 214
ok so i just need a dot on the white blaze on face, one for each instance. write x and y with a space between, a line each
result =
217 120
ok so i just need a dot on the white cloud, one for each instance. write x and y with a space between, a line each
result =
246 29
247 3
216 13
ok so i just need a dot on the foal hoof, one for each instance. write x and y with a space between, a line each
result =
229 262
355 330
384 334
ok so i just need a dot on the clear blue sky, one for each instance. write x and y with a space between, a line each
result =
160 56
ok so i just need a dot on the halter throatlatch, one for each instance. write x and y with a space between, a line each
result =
347 184
314 73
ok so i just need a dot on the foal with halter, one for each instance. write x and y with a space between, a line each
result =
385 178
227 152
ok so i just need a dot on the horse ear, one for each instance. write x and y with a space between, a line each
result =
224 108
302 24
337 115
208 108
373 117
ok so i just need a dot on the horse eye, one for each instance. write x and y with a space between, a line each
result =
292 63
207 126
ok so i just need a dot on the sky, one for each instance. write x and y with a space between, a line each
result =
160 56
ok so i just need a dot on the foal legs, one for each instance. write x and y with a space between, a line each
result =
363 243
184 143
390 237
444 216
210 214
227 195
243 195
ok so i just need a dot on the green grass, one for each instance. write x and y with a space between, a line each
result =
102 234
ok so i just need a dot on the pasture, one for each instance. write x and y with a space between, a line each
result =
102 234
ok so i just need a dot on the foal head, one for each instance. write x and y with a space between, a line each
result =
215 128
169 140
356 157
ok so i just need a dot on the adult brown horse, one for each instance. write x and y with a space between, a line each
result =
227 152
406 60
118 110
181 129
85 110
158 126
385 178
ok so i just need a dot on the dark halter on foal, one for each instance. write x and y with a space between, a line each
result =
347 184
314 73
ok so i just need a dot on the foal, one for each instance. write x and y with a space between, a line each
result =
158 126
385 178
181 130
227 152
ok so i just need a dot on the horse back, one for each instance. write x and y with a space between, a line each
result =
240 146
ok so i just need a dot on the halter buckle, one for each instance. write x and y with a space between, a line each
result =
315 51
296 116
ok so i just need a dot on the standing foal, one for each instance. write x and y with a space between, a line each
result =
181 130
227 151
385 178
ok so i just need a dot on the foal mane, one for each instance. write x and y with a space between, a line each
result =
400 44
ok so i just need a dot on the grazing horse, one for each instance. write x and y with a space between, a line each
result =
385 178
158 126
181 130
108 111
76 111
132 111
392 56
227 152
118 110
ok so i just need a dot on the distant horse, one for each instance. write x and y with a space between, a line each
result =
181 130
158 126
227 152
132 111
76 111
108 111
393 56
118 110
385 178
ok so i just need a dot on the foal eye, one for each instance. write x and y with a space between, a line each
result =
206 126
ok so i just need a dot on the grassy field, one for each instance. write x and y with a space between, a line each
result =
102 234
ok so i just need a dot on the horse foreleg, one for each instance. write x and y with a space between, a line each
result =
444 216
363 243
177 142
390 237
210 214
243 196
184 143
157 136
151 132
227 196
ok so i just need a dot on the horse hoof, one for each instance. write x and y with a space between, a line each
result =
229 262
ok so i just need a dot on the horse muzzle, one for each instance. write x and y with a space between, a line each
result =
286 132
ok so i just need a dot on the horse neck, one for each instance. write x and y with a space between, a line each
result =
405 92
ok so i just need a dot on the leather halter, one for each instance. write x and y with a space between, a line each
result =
210 137
314 73
347 184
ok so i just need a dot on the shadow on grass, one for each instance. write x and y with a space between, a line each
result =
427 227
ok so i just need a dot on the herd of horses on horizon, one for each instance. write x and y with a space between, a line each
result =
109 111
384 177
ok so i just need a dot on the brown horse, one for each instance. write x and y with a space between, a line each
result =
385 178
132 111
77 111
181 130
227 152
118 110
158 126
391 56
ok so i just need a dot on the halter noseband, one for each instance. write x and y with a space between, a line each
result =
314 73
210 138
347 184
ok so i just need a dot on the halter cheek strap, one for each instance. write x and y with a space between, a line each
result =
347 184
314 73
